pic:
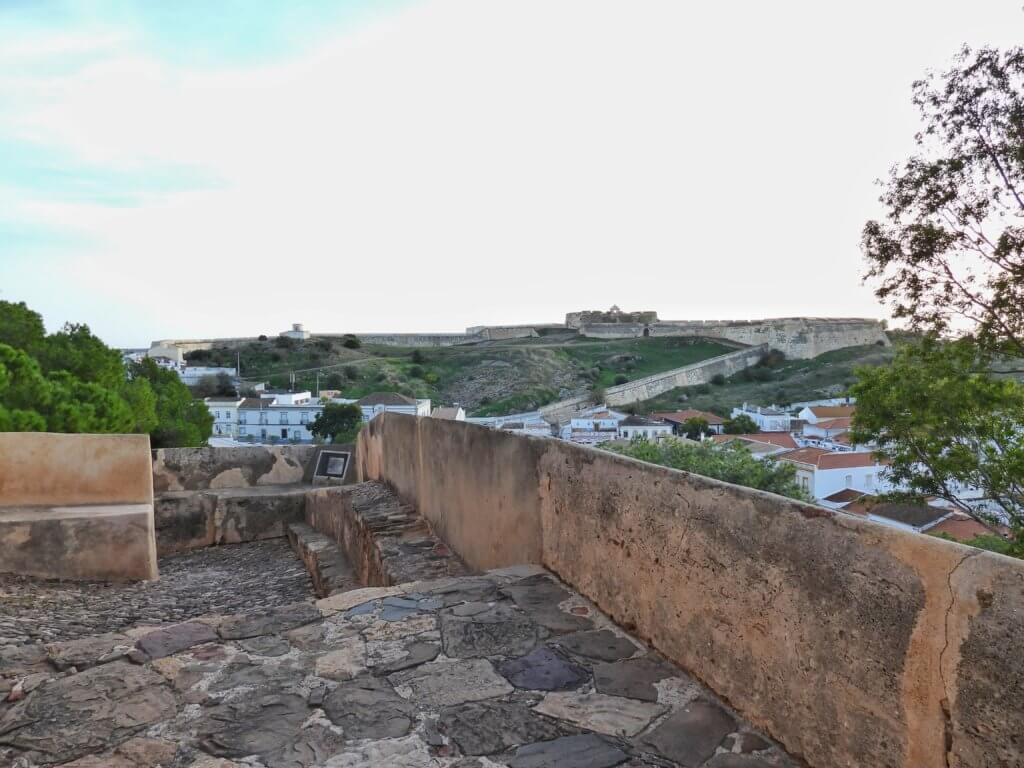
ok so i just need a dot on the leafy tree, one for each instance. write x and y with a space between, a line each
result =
718 379
418 357
76 350
945 425
733 463
696 427
339 422
334 381
621 378
949 254
740 425
215 385
181 420
351 341
20 327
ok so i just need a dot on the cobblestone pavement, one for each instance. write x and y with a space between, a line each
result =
228 579
505 669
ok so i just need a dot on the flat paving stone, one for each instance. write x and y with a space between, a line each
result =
369 708
540 596
265 645
72 716
612 715
278 619
598 644
633 678
168 641
252 725
88 651
408 752
497 630
691 735
488 727
726 760
544 669
583 751
446 683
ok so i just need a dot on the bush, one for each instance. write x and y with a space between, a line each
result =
351 341
702 389
732 464
351 372
418 356
262 337
416 372
621 379
431 378
718 379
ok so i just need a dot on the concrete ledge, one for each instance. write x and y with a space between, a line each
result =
104 543
187 520
199 469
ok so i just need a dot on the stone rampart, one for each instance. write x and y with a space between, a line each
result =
798 337
76 506
852 643
651 386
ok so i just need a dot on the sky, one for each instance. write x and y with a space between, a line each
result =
209 168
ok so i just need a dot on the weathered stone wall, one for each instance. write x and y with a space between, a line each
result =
853 643
654 385
798 337
76 506
193 469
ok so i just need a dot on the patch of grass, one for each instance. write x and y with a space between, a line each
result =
641 357
522 401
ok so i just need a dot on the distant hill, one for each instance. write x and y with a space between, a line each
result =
488 378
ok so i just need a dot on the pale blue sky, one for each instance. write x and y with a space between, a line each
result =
202 168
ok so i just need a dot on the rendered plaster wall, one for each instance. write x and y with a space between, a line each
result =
195 469
852 643
42 468
76 506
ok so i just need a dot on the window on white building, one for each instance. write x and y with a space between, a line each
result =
869 480
284 418
849 481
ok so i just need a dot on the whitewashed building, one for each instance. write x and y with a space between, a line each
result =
392 402
225 415
768 419
822 472
642 427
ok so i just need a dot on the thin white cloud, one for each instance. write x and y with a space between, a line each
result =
464 162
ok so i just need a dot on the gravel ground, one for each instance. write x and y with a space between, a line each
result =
238 578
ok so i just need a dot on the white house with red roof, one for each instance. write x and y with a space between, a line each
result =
822 472
716 424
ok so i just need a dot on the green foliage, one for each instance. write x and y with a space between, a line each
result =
620 378
20 327
181 420
733 464
215 385
417 371
696 427
70 381
944 422
718 379
990 542
951 248
418 357
740 425
338 422
351 342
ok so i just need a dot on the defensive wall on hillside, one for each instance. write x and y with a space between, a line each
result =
651 386
852 643
798 337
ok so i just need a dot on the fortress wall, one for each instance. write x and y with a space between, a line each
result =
797 337
413 339
651 386
852 643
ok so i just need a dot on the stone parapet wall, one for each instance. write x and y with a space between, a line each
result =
852 643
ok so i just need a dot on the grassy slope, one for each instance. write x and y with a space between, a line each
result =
489 378
827 375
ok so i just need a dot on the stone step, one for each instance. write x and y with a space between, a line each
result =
387 541
328 566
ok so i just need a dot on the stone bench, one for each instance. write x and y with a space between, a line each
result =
76 507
